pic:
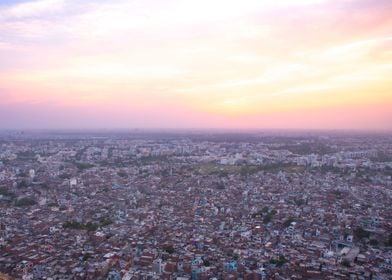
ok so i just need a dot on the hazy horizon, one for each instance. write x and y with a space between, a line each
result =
249 65
196 131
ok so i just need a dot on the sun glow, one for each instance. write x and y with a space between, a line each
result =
196 63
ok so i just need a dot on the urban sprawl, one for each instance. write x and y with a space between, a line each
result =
197 205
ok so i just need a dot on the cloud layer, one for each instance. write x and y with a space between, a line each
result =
237 64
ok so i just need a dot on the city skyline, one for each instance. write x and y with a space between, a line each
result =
306 64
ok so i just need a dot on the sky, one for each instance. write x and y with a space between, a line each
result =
249 64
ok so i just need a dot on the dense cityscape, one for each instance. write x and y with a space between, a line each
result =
195 205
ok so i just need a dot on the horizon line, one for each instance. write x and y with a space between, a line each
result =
190 129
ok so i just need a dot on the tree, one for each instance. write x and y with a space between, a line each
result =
25 201
91 226
345 263
279 261
299 202
373 242
169 249
389 243
267 218
5 192
122 174
86 256
288 222
22 184
361 233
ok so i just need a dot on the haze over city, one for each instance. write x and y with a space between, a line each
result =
308 64
195 139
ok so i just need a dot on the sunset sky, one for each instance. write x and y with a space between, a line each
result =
309 64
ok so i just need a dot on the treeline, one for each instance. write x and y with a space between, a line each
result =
88 226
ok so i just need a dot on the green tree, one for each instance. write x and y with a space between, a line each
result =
288 222
279 261
169 249
360 233
389 242
373 242
25 201
345 263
